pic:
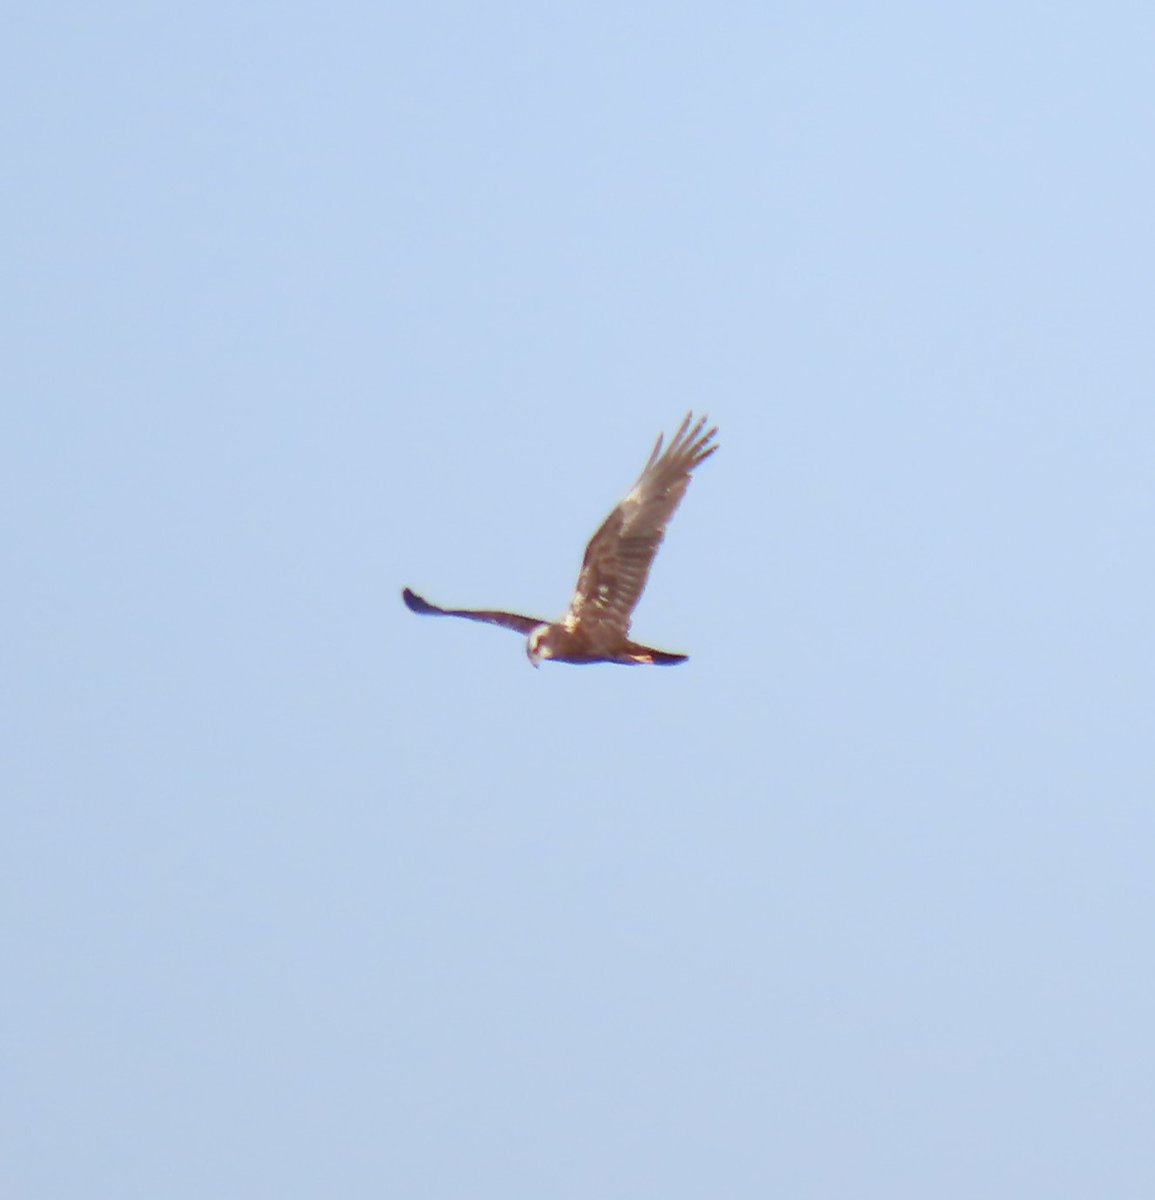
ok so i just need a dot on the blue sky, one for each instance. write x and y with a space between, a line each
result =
304 896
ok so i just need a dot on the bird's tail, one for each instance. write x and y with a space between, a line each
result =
648 656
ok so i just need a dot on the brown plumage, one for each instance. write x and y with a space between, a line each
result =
615 568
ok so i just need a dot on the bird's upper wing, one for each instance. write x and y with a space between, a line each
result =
618 557
419 604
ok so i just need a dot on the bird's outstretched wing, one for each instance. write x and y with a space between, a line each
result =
618 557
419 604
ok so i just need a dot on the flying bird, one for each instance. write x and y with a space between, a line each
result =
617 563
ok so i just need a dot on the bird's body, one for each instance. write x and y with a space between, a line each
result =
614 571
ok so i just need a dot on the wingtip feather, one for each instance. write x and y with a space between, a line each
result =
416 603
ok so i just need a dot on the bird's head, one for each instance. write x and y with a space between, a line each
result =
537 645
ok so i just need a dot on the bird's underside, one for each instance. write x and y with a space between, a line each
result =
566 647
614 571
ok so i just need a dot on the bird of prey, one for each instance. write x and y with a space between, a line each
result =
617 562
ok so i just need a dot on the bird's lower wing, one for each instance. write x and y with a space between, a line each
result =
516 621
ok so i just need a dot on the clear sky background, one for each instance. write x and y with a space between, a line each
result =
304 896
